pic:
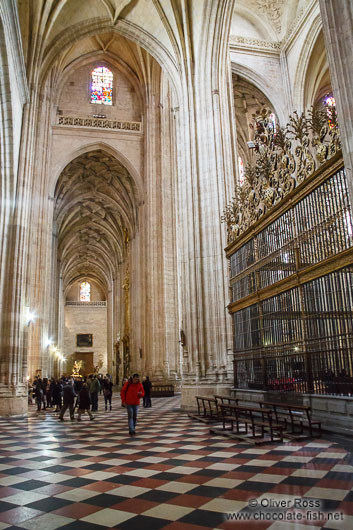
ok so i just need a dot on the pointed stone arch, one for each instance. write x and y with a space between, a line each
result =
264 86
300 97
109 150
123 27
96 209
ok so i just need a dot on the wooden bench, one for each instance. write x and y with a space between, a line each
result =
226 400
207 410
298 416
162 390
250 417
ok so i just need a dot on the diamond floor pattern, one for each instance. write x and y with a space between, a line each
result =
173 474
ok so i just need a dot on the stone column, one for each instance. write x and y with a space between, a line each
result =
14 218
169 279
110 331
154 270
206 177
337 19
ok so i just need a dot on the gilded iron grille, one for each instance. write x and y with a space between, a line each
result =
300 339
244 286
324 221
275 236
242 259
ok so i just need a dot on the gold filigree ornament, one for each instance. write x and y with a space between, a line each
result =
284 157
269 196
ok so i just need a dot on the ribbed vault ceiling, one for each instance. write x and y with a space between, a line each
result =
95 214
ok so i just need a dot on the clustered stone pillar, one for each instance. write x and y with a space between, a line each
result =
337 20
13 220
206 172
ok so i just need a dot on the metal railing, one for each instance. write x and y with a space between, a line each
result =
316 366
102 303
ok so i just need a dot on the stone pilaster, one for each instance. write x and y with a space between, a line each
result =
205 179
14 218
155 322
337 19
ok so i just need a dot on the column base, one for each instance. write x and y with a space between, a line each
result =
13 400
13 406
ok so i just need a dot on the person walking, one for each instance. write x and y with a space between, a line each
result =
68 400
131 393
107 392
50 392
94 388
38 393
45 393
147 386
84 403
56 395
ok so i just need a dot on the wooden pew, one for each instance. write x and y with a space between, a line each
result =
207 410
162 390
226 399
251 418
298 416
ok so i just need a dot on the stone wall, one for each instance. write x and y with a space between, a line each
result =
88 319
188 393
73 293
75 96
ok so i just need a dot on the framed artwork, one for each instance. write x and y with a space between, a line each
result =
85 340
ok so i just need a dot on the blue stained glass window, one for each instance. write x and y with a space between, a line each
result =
85 292
102 86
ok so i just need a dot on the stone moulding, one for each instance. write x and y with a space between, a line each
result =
18 390
284 158
100 123
236 40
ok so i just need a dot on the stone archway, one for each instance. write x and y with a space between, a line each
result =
95 218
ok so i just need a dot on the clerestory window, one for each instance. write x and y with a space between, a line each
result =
102 86
85 292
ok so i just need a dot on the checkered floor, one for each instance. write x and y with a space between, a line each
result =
173 474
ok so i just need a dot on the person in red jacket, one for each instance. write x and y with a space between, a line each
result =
131 393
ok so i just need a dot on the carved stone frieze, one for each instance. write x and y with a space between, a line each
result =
273 9
255 43
100 123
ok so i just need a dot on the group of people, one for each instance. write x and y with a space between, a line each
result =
70 393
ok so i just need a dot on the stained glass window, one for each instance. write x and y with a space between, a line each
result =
85 292
102 86
330 105
241 171
272 122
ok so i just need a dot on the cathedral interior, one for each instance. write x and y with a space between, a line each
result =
176 201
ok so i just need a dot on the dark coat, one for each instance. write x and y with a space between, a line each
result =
84 399
107 388
68 394
147 386
56 394
38 391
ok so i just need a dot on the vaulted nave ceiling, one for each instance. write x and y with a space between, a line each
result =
268 20
156 25
65 27
95 216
